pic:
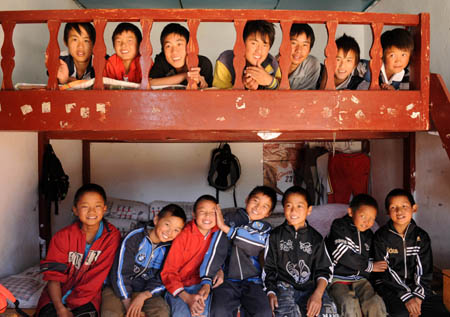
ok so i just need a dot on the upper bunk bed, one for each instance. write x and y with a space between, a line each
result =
210 114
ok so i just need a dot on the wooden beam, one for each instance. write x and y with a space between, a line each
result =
440 109
45 228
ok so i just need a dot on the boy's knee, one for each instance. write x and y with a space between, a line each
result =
349 306
374 306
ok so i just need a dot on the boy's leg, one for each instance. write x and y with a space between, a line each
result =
254 300
178 307
87 310
156 307
225 299
372 305
345 298
111 304
48 311
328 307
287 301
394 306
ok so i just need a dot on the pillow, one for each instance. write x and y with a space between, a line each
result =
127 209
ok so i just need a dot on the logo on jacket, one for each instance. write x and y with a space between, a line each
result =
367 247
75 258
286 245
300 273
92 256
141 257
392 251
305 247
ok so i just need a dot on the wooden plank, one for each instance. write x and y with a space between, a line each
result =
440 109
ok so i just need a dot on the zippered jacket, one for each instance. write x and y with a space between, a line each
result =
409 258
238 251
138 264
297 257
185 257
349 249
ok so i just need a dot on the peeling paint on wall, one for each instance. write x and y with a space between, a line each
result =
409 107
327 112
26 109
240 104
392 111
84 112
354 99
301 113
264 112
415 115
360 114
101 107
220 119
70 106
63 124
268 135
46 107
155 110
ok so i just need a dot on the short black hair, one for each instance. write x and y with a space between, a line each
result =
399 38
262 27
173 28
88 27
204 198
89 188
362 200
267 191
296 190
302 28
398 192
125 26
348 43
172 210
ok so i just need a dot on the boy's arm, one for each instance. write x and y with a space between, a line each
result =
172 265
270 270
54 292
215 257
250 238
169 80
322 264
424 267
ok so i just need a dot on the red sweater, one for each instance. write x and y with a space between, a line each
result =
182 264
63 264
114 69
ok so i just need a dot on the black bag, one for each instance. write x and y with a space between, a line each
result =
224 170
54 183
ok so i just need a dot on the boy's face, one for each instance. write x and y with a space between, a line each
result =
344 64
167 228
395 59
80 45
256 48
90 209
364 217
296 210
174 47
126 46
401 211
258 206
300 48
205 216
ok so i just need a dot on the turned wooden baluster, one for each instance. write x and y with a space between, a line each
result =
99 53
146 51
8 53
192 49
376 55
53 55
420 58
239 53
330 53
285 54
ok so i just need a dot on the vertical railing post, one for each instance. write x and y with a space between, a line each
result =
239 53
52 54
146 51
376 56
285 53
99 53
192 49
330 53
8 53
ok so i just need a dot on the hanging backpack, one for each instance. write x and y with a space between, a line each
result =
54 183
224 170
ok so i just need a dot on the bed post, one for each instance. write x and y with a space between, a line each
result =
86 161
45 229
409 163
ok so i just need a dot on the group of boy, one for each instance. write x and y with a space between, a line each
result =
261 70
219 264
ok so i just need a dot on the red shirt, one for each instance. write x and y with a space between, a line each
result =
116 70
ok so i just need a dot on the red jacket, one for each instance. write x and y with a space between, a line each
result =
114 69
182 265
63 264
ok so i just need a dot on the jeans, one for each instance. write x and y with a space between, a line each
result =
179 308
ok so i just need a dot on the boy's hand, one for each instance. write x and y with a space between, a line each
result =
250 83
219 220
64 312
414 306
259 75
385 86
314 305
273 300
194 74
379 266
194 301
135 308
218 279
204 291
63 70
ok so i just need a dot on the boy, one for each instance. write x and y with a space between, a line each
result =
79 258
170 65
261 71
405 285
124 64
349 243
77 63
297 267
304 70
135 273
398 46
180 275
238 245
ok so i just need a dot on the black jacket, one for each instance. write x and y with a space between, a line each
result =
410 260
349 249
299 258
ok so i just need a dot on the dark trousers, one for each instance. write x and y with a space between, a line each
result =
250 296
87 310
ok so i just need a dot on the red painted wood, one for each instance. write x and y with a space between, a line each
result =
440 109
53 54
239 53
330 54
100 53
285 54
8 55
376 55
192 49
208 15
146 51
